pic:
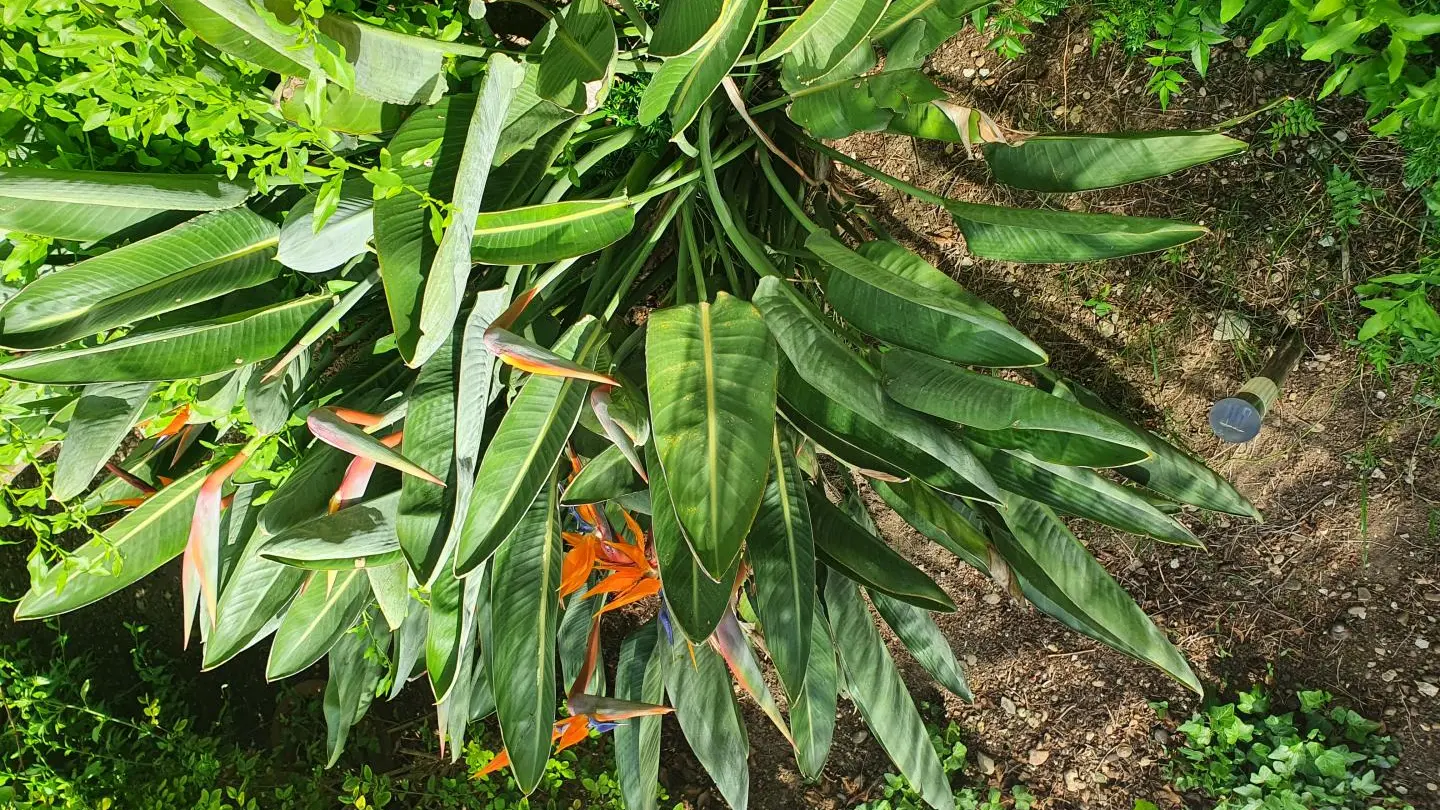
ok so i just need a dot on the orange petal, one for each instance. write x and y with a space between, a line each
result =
635 530
355 417
501 760
579 562
172 427
575 730
615 583
645 587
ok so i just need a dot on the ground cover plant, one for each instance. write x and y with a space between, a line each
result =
581 320
1246 755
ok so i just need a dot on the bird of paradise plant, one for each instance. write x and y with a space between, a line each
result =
498 260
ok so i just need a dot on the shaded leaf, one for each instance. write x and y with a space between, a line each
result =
104 415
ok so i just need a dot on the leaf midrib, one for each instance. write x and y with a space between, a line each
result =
584 213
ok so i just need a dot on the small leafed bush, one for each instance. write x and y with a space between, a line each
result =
1243 756
581 320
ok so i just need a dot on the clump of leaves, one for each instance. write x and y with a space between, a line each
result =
1405 328
896 793
1294 118
1348 198
1244 757
558 390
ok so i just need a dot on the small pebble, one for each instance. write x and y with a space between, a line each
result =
1039 756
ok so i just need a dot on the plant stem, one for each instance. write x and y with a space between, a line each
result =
783 193
734 231
874 173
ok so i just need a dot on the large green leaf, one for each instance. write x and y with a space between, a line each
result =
241 28
711 372
524 577
1081 162
391 586
350 686
403 240
449 636
829 426
103 416
1080 492
355 537
578 61
932 514
524 449
695 600
535 132
476 376
1030 235
900 311
306 492
681 24
390 66
812 710
344 236
132 547
920 26
409 645
902 262
871 419
271 402
640 677
685 82
844 545
327 606
430 438
251 601
205 258
1005 414
1052 562
1170 471
445 283
550 232
878 691
824 33
700 690
782 553
88 205
917 630
195 350
604 478
573 638
843 103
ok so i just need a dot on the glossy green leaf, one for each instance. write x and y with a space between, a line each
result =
252 599
900 311
917 630
1005 414
535 132
812 710
524 578
211 255
842 105
1059 163
711 373
686 81
782 553
1041 550
1169 471
89 205
450 636
142 541
476 377
696 601
881 696
1053 237
430 438
445 283
700 691
824 33
844 545
391 586
345 234
195 350
902 261
409 645
350 686
104 415
403 241
839 432
550 232
604 478
640 676
917 27
681 24
241 29
932 514
1080 492
327 606
345 111
524 450
271 402
328 427
391 66
871 420
578 56
355 537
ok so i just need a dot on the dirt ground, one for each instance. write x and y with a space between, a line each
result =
1338 589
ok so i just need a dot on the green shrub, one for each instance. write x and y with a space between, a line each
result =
575 361
898 794
1405 328
1244 757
